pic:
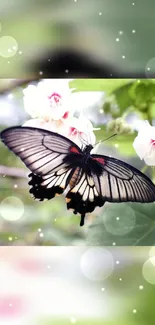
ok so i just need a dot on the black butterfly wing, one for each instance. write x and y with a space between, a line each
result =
43 152
55 162
117 181
83 196
107 179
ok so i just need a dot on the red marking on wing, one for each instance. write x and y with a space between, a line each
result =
100 160
74 149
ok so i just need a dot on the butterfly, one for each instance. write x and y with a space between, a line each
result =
88 180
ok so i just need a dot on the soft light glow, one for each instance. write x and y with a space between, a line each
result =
8 46
11 208
148 271
119 225
97 263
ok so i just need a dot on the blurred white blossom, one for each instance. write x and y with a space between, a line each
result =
144 143
58 126
81 131
51 105
49 100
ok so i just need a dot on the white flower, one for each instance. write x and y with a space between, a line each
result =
58 126
144 143
49 100
50 105
81 131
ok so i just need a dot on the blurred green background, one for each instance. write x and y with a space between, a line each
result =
114 35
24 221
77 285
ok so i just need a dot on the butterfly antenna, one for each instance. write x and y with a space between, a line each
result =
106 138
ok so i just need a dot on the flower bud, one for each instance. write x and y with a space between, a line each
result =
111 126
106 107
119 126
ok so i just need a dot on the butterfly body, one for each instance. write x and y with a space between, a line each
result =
84 160
58 165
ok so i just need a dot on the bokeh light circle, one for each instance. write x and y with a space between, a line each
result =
97 263
11 208
8 46
148 270
152 255
150 68
121 225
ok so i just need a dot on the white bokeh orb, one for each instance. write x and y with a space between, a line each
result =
11 208
97 263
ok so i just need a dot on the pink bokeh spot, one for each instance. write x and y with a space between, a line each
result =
55 96
30 266
11 306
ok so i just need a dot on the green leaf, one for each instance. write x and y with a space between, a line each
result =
107 85
152 110
142 94
135 94
124 224
123 98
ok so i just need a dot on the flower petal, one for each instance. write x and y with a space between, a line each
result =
143 144
150 161
50 99
81 131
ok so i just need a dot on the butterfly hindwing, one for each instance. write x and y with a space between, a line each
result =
120 182
83 196
47 187
40 192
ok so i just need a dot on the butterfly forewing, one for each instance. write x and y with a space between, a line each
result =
42 151
120 182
